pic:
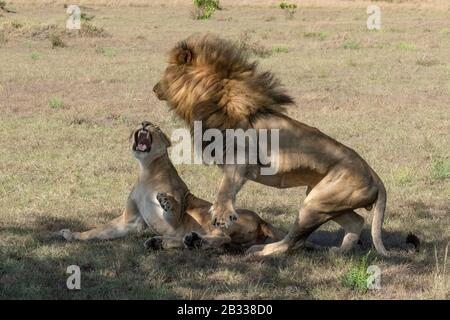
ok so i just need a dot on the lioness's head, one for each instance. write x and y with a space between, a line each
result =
148 142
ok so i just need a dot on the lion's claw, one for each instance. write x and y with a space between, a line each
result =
164 201
218 214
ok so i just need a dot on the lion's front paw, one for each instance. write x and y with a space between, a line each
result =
222 217
66 234
153 243
164 202
267 250
192 241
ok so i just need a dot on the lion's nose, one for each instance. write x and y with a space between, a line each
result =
155 88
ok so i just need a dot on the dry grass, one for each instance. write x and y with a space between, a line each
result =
387 97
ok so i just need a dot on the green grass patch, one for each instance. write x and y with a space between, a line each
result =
405 46
280 49
16 24
107 52
56 103
445 31
356 278
316 35
204 9
440 167
403 176
56 41
35 56
289 9
353 45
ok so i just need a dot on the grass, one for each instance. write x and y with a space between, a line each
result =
70 167
35 56
56 103
405 46
404 176
445 31
440 168
353 45
3 38
357 277
426 62
280 49
107 52
316 35
56 41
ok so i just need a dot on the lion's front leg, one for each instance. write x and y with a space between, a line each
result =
222 211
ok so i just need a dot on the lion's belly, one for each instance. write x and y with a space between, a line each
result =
152 213
295 178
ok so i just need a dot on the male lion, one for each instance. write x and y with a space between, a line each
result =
209 79
162 201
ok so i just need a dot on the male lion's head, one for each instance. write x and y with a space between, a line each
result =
148 142
210 79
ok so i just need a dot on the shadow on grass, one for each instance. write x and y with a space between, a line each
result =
35 267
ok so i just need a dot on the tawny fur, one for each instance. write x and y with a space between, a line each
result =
211 80
219 85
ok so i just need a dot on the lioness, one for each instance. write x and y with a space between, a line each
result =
209 79
162 201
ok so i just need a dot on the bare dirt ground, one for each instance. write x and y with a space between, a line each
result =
67 112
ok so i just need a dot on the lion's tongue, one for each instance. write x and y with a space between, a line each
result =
143 142
141 147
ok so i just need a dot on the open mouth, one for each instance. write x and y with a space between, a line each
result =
142 141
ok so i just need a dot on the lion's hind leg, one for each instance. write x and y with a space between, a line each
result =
353 224
129 221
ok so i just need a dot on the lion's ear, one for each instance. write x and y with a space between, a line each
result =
184 56
165 139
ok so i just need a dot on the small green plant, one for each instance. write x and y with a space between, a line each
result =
445 31
403 176
402 45
56 41
86 17
107 52
356 277
35 56
440 167
318 35
16 24
351 45
280 49
289 9
56 103
203 9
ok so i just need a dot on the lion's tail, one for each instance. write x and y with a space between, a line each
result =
271 232
378 217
